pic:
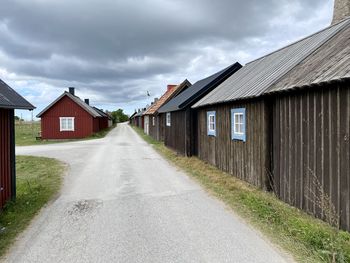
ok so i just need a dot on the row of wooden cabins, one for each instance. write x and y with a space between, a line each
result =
280 122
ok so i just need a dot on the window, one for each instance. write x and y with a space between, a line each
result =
238 124
66 123
211 123
153 121
168 119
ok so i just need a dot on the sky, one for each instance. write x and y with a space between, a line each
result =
114 51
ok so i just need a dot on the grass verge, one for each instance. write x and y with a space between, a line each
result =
36 185
306 238
26 132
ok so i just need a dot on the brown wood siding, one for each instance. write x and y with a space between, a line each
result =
7 172
311 150
175 135
154 129
84 124
250 160
161 119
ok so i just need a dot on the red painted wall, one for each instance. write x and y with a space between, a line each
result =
103 123
84 124
5 156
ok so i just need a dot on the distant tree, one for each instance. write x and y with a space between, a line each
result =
18 118
119 116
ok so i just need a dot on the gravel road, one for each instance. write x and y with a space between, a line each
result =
122 202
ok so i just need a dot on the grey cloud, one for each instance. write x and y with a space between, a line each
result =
129 43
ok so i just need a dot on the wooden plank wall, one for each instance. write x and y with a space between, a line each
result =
250 160
175 135
153 130
6 155
161 123
311 150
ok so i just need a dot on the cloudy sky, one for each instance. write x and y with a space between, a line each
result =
114 51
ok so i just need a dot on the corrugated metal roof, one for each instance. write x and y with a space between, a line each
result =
168 95
199 89
77 100
257 76
330 62
10 99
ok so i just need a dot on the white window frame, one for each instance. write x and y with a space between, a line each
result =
211 123
153 121
66 119
239 124
168 119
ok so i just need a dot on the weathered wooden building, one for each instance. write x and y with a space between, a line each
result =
157 120
105 121
132 118
282 123
9 101
138 119
181 120
68 117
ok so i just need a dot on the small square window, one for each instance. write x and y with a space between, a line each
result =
66 123
238 124
211 123
168 119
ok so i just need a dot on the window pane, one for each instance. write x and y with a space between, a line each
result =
63 124
241 118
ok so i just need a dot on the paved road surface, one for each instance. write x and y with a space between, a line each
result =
122 202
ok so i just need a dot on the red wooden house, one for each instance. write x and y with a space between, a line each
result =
68 117
106 120
9 101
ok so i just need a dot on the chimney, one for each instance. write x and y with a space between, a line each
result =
341 10
72 90
170 87
87 101
155 100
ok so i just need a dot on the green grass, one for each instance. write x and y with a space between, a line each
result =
26 133
306 238
36 185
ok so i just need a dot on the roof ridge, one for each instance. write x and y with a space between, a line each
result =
77 100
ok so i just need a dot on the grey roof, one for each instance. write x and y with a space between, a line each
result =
331 62
199 89
133 115
10 99
139 114
256 77
102 113
77 100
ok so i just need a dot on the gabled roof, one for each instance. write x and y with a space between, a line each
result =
10 99
140 113
102 113
199 89
255 78
133 115
77 100
168 95
331 62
